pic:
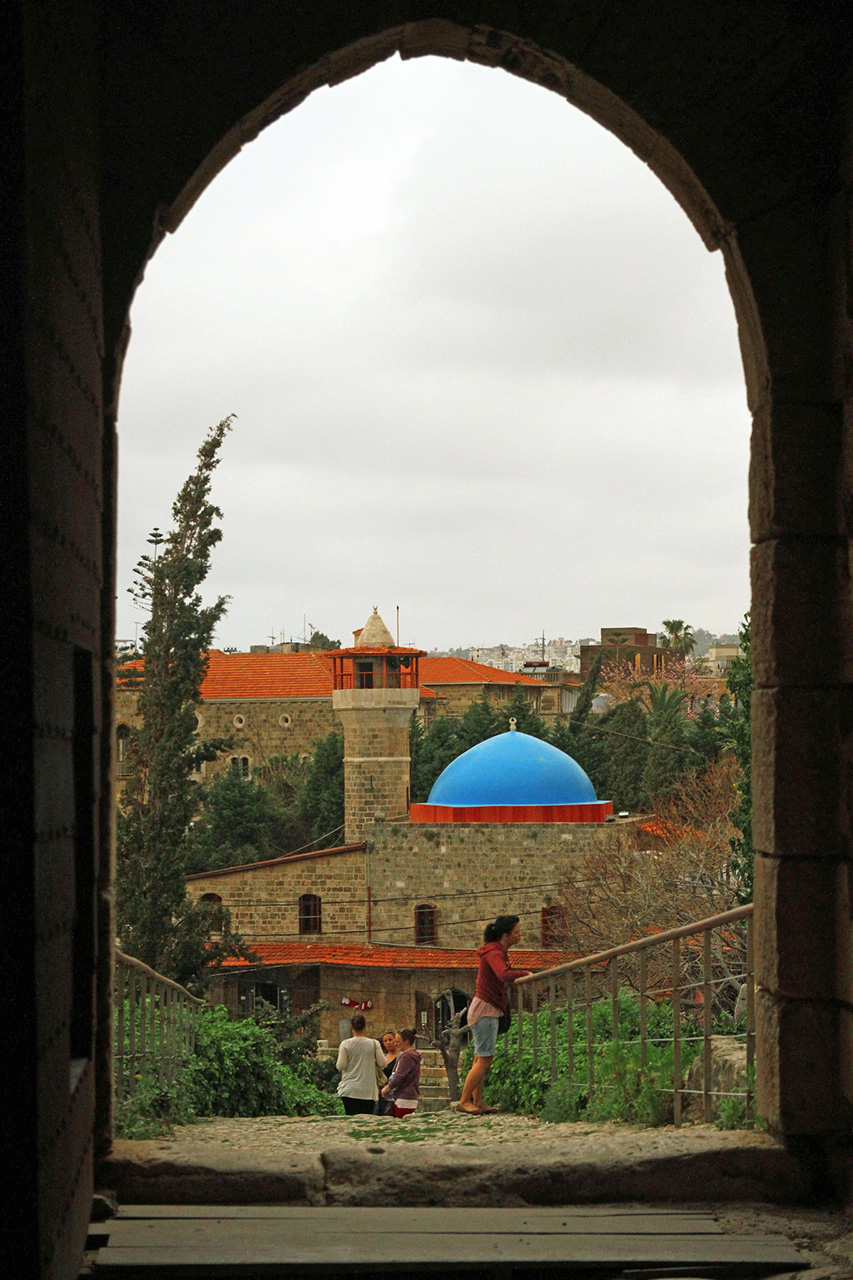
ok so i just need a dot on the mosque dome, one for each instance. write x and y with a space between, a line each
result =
512 769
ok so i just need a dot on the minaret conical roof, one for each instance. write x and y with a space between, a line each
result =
374 634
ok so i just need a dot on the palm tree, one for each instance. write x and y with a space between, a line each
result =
664 704
679 637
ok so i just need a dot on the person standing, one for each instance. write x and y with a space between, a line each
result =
404 1087
359 1059
491 1000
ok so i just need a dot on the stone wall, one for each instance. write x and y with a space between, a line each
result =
376 754
264 898
474 872
470 873
392 992
260 727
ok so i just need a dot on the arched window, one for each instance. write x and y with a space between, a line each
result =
553 926
214 901
241 764
426 925
122 742
310 913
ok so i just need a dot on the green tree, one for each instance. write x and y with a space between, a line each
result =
434 749
679 637
480 721
669 753
157 922
624 730
321 802
319 640
703 736
738 730
240 820
578 735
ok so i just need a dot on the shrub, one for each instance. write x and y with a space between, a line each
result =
152 1109
236 1071
624 1090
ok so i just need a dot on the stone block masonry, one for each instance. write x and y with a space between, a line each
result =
469 873
473 873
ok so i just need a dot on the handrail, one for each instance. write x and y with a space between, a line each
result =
641 944
156 1020
152 973
693 979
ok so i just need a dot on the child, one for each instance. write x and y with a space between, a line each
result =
404 1087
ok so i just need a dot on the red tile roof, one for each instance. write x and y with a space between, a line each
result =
450 670
232 676
369 957
267 675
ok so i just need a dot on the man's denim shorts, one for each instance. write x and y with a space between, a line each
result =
485 1032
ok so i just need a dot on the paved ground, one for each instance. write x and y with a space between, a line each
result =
446 1158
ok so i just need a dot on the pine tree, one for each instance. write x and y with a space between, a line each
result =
157 922
321 802
241 820
624 730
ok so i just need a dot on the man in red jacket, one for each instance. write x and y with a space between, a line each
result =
491 999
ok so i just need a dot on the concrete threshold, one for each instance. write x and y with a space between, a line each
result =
645 1166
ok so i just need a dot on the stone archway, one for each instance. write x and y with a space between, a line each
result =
777 267
119 115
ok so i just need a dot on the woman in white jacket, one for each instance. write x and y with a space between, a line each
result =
359 1058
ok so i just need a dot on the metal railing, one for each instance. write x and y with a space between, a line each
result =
155 1025
704 970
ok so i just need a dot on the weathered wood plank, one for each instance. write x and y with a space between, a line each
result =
439 1220
301 1256
153 1231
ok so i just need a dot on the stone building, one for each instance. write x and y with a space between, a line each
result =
280 703
500 825
745 113
626 644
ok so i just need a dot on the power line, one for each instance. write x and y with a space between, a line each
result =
434 897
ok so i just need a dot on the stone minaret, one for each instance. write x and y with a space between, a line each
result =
376 691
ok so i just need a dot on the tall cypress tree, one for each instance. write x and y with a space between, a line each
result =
157 921
738 729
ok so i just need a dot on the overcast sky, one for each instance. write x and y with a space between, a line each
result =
482 366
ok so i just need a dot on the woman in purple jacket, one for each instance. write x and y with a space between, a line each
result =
490 1001
404 1087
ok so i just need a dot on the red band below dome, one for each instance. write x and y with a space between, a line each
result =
595 811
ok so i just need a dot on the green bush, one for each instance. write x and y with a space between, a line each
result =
152 1109
236 1070
623 1089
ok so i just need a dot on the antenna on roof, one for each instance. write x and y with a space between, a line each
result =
398 626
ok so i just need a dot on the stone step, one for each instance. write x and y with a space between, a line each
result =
431 1104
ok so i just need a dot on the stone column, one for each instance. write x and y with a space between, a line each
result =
376 755
801 632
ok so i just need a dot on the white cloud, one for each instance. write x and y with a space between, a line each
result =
482 365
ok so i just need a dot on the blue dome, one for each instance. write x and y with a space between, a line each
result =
512 769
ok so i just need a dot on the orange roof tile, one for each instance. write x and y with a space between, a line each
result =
267 675
232 676
369 957
451 670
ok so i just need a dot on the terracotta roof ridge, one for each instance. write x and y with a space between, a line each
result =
272 862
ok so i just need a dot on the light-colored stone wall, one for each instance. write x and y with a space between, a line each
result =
260 727
470 873
264 901
376 754
474 872
392 992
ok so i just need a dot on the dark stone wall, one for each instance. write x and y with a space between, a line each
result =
119 115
